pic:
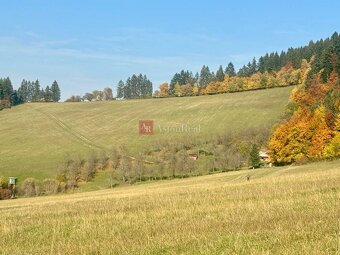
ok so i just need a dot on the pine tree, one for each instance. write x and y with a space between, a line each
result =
30 91
230 70
42 94
36 91
120 89
6 89
254 156
23 91
253 66
205 77
48 97
182 78
261 65
220 74
15 99
55 91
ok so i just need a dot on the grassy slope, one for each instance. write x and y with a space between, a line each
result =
35 137
288 210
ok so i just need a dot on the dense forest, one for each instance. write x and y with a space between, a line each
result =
136 86
8 96
311 130
271 70
29 91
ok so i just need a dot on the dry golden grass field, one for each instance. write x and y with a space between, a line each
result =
286 210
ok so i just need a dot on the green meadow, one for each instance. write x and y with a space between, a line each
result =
36 137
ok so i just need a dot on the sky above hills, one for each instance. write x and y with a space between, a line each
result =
87 45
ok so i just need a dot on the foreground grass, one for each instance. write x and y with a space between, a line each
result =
36 137
290 210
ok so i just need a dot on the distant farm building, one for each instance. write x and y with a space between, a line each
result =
193 156
264 156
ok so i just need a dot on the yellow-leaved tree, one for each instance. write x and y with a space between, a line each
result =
332 150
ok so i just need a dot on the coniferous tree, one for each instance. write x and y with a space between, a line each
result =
6 92
23 91
230 70
6 89
120 89
136 86
243 72
253 66
30 91
36 91
15 99
48 97
220 74
55 91
205 77
261 65
182 78
255 157
42 94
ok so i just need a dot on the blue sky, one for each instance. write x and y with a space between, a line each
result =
87 45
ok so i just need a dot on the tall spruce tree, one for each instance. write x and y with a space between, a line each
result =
6 89
23 91
205 77
120 89
36 91
254 156
55 91
30 91
48 96
220 74
230 70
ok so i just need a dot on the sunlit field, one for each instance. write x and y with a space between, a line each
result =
35 137
286 210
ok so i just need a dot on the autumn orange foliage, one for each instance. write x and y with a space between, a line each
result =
312 132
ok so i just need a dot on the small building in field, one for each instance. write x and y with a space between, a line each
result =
12 180
193 156
264 156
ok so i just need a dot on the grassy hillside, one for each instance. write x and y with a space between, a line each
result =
36 137
287 210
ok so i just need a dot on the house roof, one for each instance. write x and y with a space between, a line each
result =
263 154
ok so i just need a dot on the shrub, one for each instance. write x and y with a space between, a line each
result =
5 193
62 187
71 184
61 178
29 187
3 182
50 186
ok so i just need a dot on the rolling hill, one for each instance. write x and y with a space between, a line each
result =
35 137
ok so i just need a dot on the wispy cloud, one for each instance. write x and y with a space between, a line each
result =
48 48
31 34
